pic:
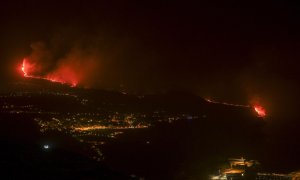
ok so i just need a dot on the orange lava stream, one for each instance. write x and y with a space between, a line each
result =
261 112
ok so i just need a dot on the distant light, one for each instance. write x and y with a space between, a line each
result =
46 146
189 117
208 100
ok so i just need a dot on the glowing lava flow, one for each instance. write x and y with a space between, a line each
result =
227 104
23 69
260 110
28 68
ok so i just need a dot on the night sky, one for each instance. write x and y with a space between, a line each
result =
229 51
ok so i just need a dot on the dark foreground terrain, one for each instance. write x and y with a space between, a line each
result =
194 145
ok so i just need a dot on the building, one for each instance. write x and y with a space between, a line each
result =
273 176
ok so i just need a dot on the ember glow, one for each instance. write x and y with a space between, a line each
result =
260 110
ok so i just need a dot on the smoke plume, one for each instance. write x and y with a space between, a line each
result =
76 66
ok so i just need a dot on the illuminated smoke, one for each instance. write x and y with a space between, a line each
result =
76 67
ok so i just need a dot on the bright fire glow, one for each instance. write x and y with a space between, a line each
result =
26 67
260 110
64 76
23 68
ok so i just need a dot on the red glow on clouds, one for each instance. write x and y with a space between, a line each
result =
79 65
64 75
260 110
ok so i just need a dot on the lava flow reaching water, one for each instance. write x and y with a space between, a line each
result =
64 76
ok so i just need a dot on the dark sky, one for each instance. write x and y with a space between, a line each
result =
227 50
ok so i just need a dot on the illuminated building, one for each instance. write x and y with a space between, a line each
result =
295 175
238 169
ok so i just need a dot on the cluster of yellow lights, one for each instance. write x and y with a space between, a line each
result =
89 128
